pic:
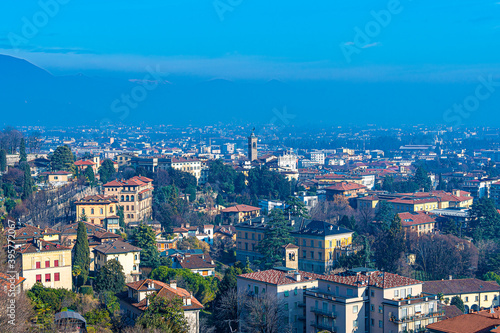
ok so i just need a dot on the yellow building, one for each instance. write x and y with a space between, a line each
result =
127 254
96 208
475 294
415 204
320 243
58 176
239 213
47 263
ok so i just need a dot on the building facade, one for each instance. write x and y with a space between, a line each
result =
127 254
96 208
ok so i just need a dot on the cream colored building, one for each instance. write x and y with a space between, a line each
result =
47 263
475 293
127 254
364 300
96 208
135 302
190 165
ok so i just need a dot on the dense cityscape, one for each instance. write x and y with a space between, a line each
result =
231 228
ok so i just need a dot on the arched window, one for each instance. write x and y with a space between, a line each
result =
131 198
135 268
122 198
102 211
83 210
127 198
92 211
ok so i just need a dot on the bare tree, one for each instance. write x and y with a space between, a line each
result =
264 314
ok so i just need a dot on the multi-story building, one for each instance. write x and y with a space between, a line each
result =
475 294
127 254
346 189
239 213
134 301
96 208
189 165
320 243
201 264
45 262
135 195
364 300
418 222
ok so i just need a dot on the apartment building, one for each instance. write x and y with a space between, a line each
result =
135 195
365 300
346 189
320 243
96 208
45 262
418 222
239 213
476 294
127 254
189 165
134 301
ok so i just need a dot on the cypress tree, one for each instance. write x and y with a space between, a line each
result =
82 252
3 160
22 151
28 181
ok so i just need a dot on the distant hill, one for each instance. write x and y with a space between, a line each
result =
31 95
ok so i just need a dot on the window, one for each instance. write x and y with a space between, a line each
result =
372 293
246 235
38 264
372 307
47 277
295 292
319 255
380 324
303 253
319 244
39 278
372 322
56 277
83 210
287 293
304 242
355 309
312 243
135 268
102 211
92 211
135 257
380 309
312 254
256 290
485 297
418 308
47 263
409 291
477 298
56 263
466 298
396 293
286 306
355 323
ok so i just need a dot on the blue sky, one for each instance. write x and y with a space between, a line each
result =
286 40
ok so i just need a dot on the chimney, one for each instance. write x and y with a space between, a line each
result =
173 284
450 277
298 277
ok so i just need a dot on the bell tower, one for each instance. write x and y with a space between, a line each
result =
291 256
252 146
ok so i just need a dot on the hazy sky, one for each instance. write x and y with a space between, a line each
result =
254 39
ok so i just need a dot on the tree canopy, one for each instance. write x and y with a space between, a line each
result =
276 235
110 277
62 159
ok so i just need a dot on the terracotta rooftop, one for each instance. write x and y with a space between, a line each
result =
345 186
115 247
240 208
280 277
415 218
376 279
31 231
45 247
101 199
467 323
195 261
458 286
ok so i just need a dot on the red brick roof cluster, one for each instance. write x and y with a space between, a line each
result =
415 218
374 279
279 277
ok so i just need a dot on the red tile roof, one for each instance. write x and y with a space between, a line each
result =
346 186
45 247
467 323
240 208
279 277
81 162
376 279
100 199
415 218
459 286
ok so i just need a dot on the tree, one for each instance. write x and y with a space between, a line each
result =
193 243
457 301
22 151
485 220
62 159
390 246
295 207
265 313
492 276
107 171
110 277
165 314
422 179
145 238
3 160
82 253
121 216
89 175
228 310
276 235
385 214
222 175
28 181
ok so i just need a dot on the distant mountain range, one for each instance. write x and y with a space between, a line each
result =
32 96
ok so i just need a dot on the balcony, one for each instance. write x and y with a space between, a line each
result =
302 304
416 317
321 327
321 312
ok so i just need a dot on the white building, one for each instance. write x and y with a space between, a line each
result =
127 254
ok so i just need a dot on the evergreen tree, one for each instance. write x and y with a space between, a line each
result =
485 220
165 315
89 175
457 301
62 159
28 181
145 238
82 253
110 277
389 246
3 160
22 151
107 171
295 207
385 214
121 216
422 179
276 235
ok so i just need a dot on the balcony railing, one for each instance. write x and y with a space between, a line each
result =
322 312
415 317
320 326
